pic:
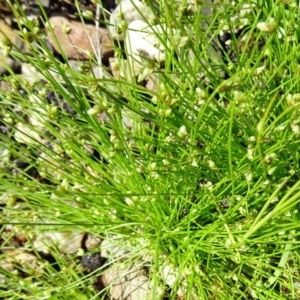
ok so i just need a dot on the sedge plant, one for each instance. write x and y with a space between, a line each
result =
200 184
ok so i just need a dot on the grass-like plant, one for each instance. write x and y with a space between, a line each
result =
205 180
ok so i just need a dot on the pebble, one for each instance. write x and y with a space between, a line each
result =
92 241
123 70
29 49
5 61
110 248
127 282
142 42
28 261
93 261
66 242
152 83
30 73
131 10
25 135
78 41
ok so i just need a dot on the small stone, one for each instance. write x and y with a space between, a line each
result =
26 135
92 241
29 262
112 248
130 10
122 70
4 7
127 120
142 42
45 3
34 47
66 242
115 68
30 73
5 86
152 83
104 72
80 41
93 261
127 283
5 61
19 237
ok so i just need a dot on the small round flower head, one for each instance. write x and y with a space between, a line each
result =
269 26
88 14
239 96
66 28
182 132
96 109
295 127
201 93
